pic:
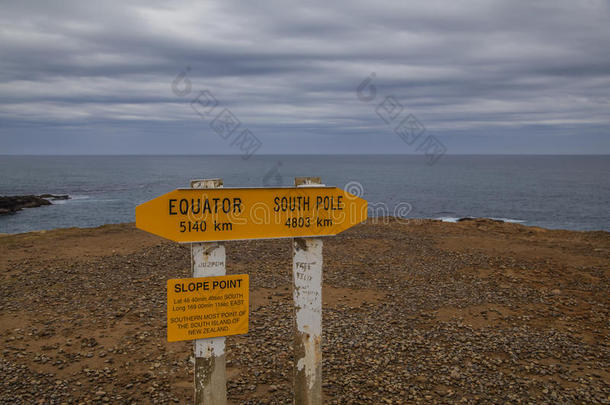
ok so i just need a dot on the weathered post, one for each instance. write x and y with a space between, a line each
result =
208 260
307 294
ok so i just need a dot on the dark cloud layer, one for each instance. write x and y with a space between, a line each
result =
482 76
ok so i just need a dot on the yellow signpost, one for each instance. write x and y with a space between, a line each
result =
198 215
205 307
211 305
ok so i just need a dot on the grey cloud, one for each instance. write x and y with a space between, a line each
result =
290 72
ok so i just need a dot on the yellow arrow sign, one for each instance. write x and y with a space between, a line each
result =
200 215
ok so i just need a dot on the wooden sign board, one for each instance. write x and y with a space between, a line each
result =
200 215
206 307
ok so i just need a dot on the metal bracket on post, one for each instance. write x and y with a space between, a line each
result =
209 260
307 295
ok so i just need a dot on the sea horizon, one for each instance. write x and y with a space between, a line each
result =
300 154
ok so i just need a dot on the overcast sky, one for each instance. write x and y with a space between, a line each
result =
479 76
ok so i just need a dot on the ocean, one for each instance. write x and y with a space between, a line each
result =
557 192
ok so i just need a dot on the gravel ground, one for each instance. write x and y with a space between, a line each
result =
417 312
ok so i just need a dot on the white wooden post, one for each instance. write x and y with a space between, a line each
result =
307 294
209 260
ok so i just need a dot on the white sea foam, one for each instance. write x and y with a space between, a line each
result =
71 199
447 219
456 219
512 221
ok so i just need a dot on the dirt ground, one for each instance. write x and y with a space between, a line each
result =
414 312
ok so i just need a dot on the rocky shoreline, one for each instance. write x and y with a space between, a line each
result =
13 204
413 312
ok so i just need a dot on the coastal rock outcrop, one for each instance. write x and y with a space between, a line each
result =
12 204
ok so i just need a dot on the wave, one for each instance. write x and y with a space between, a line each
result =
448 219
510 220
71 199
456 219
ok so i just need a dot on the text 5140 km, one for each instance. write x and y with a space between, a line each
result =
202 226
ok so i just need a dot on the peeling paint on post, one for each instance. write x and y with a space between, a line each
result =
307 294
209 260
